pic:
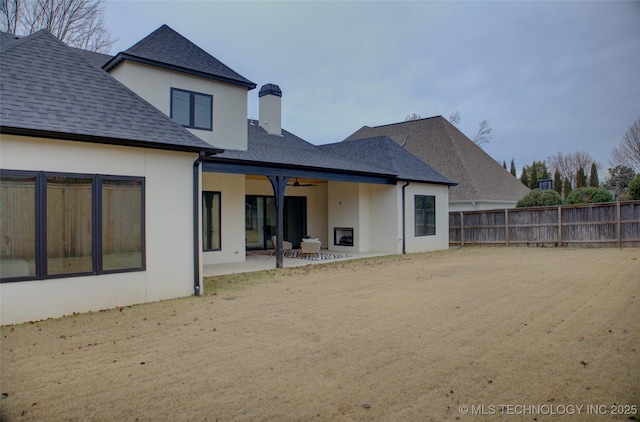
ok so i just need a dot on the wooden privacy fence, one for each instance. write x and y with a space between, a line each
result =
590 225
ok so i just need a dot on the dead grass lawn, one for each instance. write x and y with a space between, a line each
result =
406 338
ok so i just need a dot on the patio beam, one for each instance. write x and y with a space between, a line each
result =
279 184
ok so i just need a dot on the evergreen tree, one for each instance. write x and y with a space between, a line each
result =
513 168
504 164
533 178
593 176
524 178
557 182
581 178
634 188
566 188
619 176
545 173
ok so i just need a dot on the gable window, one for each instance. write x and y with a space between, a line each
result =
211 238
425 215
192 109
59 224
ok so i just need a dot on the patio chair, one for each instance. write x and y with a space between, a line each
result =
310 246
286 246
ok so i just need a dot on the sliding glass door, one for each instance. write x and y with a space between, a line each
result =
260 220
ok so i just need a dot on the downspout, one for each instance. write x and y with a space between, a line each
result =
404 217
196 224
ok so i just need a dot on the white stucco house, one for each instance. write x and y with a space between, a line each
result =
122 176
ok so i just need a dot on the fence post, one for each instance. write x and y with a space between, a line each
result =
618 225
506 226
559 226
461 228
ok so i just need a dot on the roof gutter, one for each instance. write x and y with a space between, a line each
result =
64 136
197 290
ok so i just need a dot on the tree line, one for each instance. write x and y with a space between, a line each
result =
575 175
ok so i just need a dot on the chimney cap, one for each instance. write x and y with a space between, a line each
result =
272 89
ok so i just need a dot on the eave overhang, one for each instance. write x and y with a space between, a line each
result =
222 165
36 133
120 57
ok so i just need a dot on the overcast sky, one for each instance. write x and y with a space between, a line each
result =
548 76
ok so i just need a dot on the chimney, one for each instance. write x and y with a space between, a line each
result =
270 112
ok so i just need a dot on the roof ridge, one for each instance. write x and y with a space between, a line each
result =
405 122
143 41
448 127
21 40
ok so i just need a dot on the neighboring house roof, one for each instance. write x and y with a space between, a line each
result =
383 153
449 152
372 158
49 91
168 49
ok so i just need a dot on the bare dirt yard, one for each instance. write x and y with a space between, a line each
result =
511 333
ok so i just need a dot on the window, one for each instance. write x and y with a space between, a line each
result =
18 224
69 230
425 216
211 239
122 223
192 109
57 224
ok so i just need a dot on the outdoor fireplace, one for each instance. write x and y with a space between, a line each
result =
343 236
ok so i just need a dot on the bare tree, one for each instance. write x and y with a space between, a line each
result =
9 15
413 116
484 133
454 118
568 164
627 153
78 23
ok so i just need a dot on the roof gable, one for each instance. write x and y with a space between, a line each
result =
168 49
448 151
48 90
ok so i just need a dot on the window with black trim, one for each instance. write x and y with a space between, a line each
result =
60 224
192 109
211 221
425 215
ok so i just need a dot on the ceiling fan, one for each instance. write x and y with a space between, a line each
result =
297 184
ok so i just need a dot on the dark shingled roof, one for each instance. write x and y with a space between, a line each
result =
290 150
379 157
97 59
383 153
448 151
166 48
6 38
48 90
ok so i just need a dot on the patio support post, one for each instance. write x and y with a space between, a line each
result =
279 184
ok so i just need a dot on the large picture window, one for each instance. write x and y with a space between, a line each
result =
211 236
57 225
192 109
425 215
